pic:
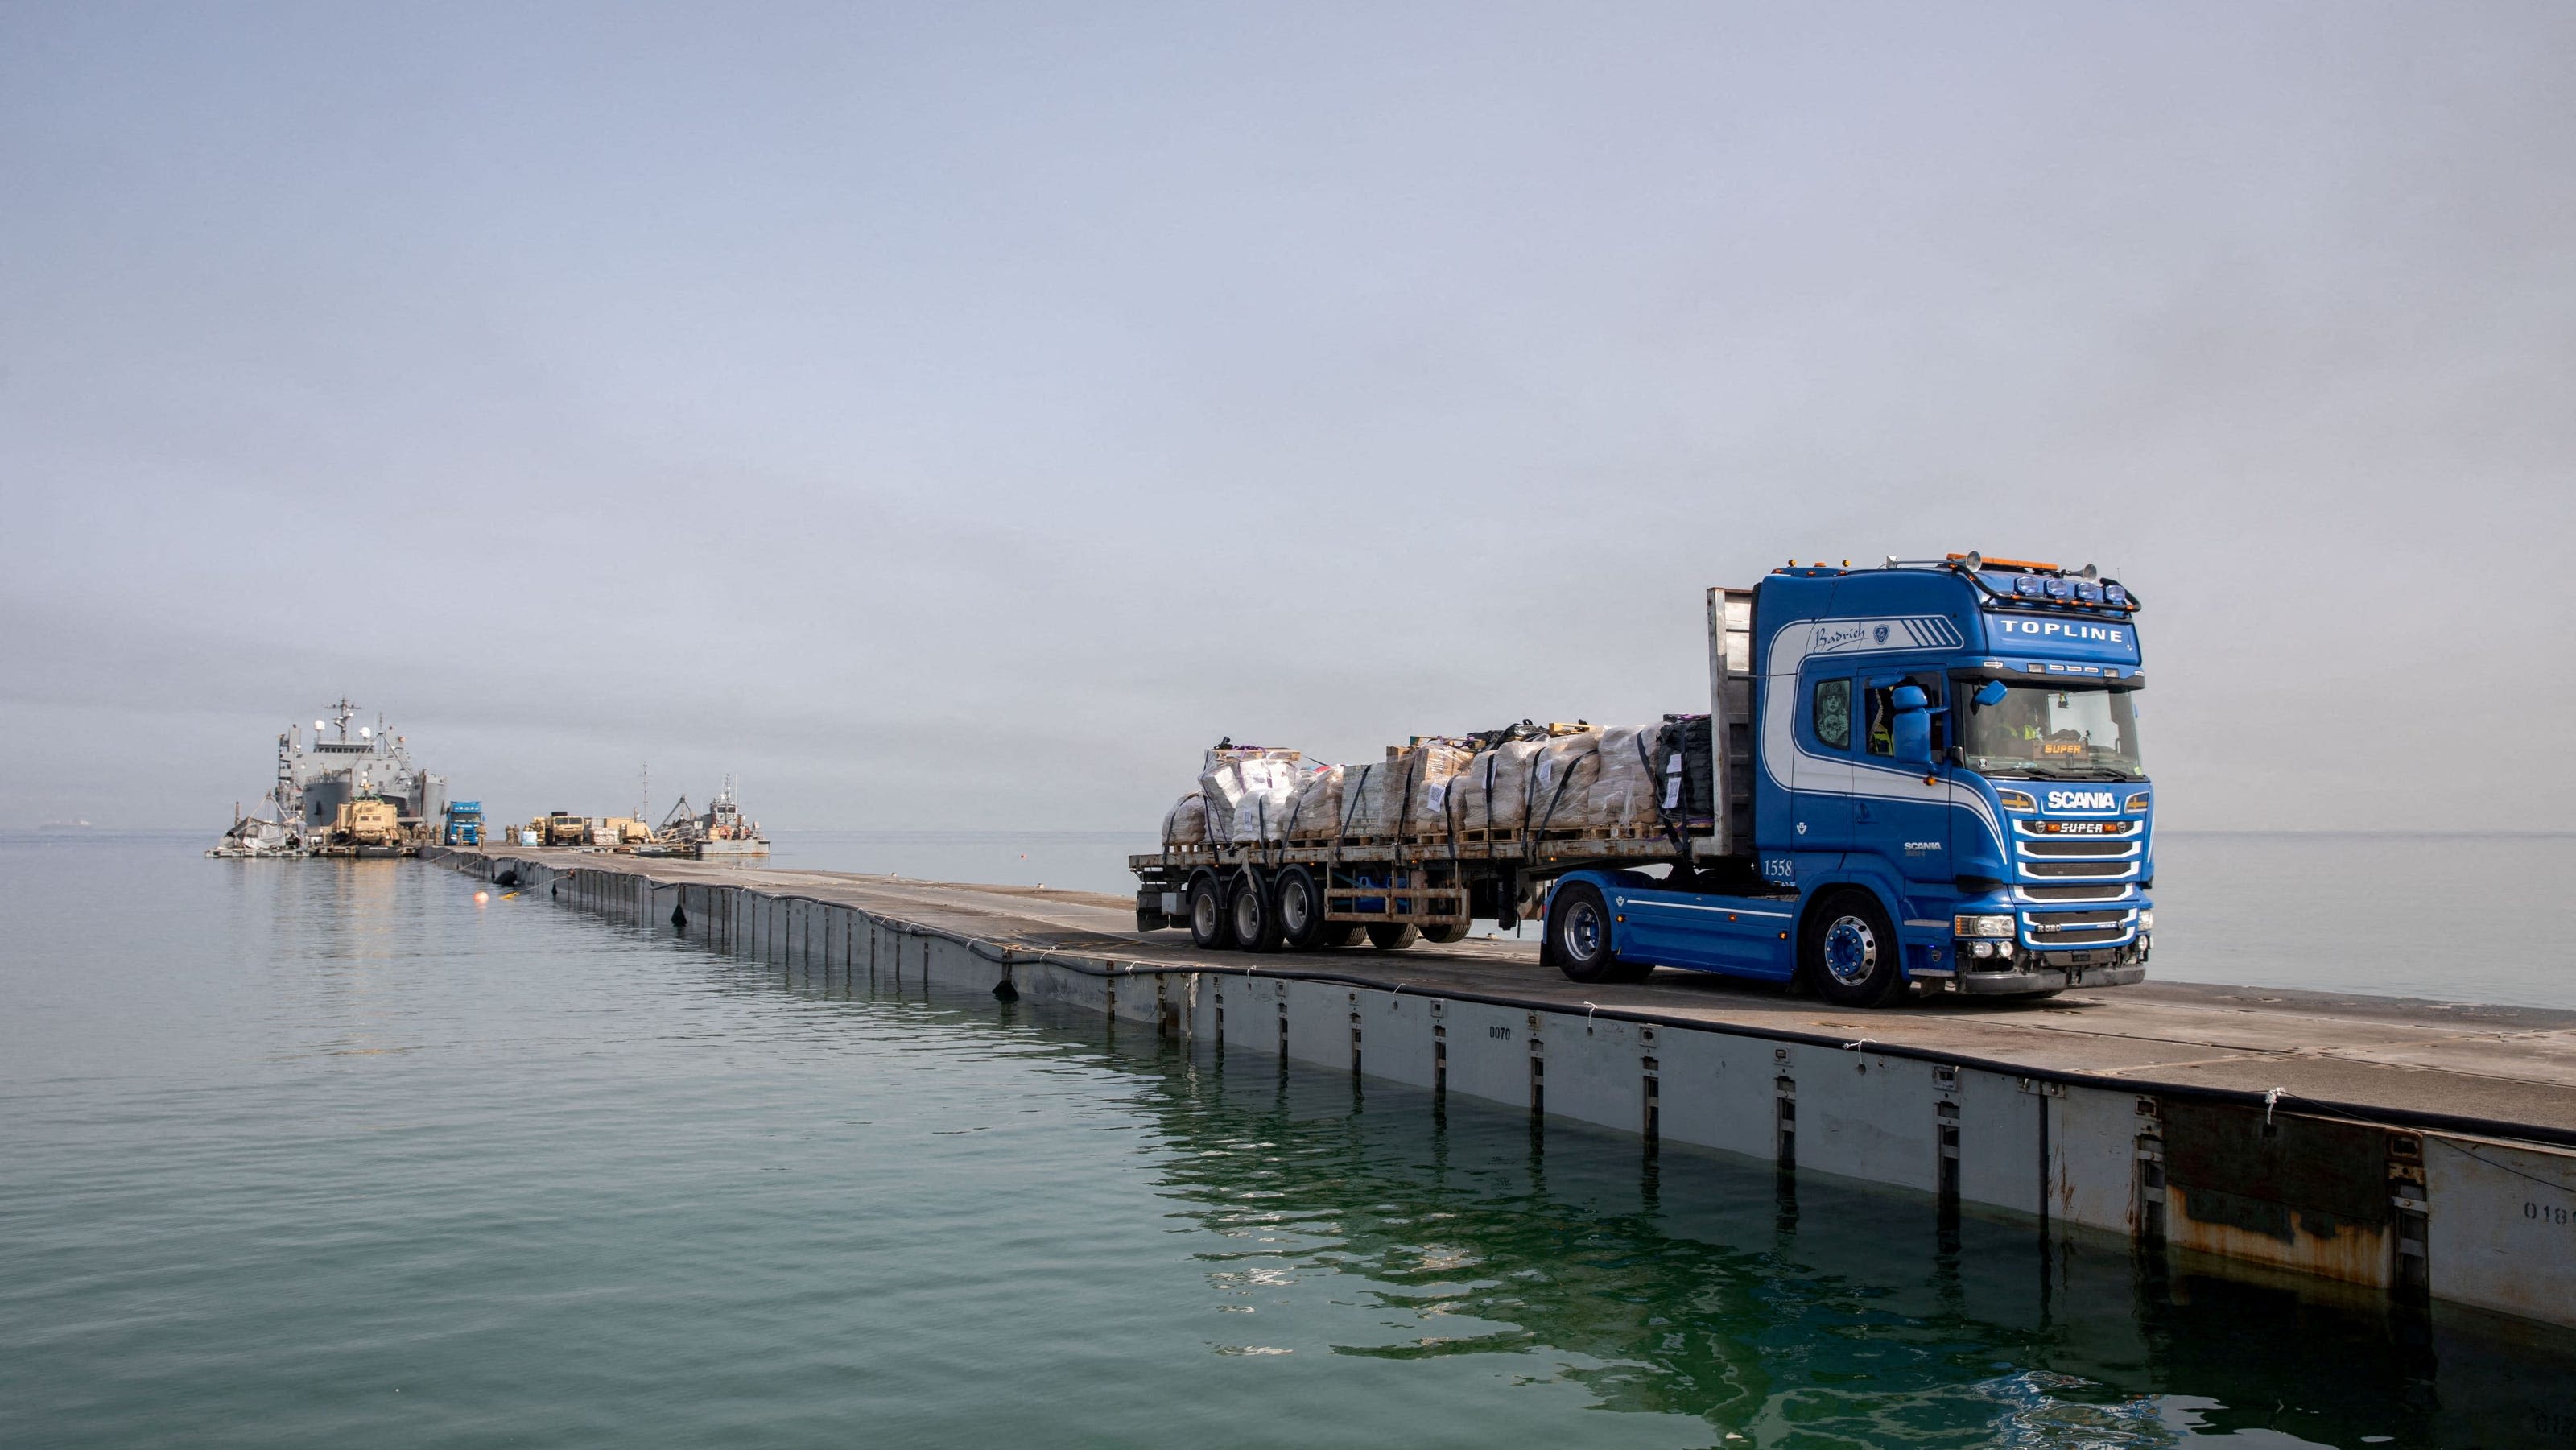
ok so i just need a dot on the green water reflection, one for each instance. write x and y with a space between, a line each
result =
1791 1312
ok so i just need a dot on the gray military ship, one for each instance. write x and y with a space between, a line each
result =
337 767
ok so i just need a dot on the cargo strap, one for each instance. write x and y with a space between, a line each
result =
1529 840
1296 807
1351 802
1645 757
1404 813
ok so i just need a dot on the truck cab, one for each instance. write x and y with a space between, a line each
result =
462 824
1946 793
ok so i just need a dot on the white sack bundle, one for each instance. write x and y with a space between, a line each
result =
1372 796
1220 756
1405 794
1268 787
1631 778
1493 792
1316 814
1561 781
1219 789
1185 824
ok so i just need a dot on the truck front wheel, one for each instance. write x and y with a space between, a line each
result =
1211 930
1578 934
1849 950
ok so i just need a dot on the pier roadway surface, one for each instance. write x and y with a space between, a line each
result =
2514 1067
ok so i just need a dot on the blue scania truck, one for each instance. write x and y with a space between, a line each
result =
1916 779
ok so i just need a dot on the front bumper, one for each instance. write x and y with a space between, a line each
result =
2045 979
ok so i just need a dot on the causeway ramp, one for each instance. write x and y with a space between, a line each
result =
2424 1150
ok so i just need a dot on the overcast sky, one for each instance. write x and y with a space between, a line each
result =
956 416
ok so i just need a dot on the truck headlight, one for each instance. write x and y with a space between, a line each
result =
1982 925
2146 921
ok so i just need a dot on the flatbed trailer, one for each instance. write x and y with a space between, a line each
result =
1427 881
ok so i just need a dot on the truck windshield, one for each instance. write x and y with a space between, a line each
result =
2051 732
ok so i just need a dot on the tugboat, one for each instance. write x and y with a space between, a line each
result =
342 793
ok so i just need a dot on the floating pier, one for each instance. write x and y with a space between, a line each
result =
2424 1151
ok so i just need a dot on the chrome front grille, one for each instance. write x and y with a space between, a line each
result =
2078 887
2080 937
2107 891
2046 856
2071 920
2080 846
2078 870
2053 930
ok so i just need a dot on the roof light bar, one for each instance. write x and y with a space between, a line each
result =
1982 562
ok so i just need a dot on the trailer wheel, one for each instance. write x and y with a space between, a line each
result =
1445 934
1849 950
1392 936
1300 905
1254 916
1578 934
1211 928
1342 934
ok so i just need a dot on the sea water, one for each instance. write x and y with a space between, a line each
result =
336 1153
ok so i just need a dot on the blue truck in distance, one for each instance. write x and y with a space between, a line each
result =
1916 779
462 824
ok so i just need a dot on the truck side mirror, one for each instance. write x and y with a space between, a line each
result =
1910 732
1990 693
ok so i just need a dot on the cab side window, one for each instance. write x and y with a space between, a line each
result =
1882 717
1832 712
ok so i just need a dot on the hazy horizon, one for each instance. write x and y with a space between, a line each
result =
955 419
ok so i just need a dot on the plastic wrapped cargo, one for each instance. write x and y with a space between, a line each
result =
1186 823
1226 752
1405 794
1430 766
1269 788
1560 785
1316 814
1369 805
1492 793
1625 792
1247 799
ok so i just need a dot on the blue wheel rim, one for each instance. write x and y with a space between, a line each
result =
1583 931
1851 950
